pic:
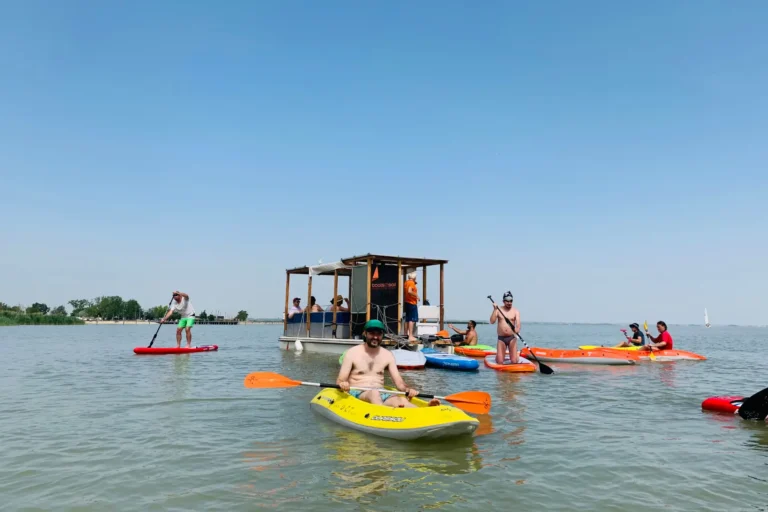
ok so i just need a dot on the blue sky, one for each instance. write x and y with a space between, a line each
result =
605 161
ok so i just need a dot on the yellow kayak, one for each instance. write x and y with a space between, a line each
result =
595 347
422 422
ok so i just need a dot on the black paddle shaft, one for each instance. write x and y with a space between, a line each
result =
336 386
542 367
158 327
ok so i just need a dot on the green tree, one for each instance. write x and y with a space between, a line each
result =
37 307
109 308
59 311
132 310
79 306
203 315
156 312
242 315
3 306
211 318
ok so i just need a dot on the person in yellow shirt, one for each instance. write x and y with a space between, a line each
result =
411 305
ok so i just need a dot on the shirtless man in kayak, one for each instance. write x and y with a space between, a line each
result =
364 366
507 339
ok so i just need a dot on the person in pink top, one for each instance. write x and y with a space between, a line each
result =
663 341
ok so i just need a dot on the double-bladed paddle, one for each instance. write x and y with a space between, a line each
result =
755 407
542 367
158 327
475 402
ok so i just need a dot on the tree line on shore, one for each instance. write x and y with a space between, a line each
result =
111 307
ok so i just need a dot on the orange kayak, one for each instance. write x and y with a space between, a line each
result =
475 350
522 366
577 356
661 355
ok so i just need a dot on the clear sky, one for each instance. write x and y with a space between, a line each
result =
605 161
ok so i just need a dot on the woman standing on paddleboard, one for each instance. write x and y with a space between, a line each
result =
181 304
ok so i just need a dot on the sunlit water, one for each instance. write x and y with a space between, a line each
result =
85 424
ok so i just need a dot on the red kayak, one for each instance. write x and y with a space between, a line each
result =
174 350
728 404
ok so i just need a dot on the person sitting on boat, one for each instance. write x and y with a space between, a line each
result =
313 307
364 366
181 304
469 336
336 304
296 308
663 341
637 339
411 305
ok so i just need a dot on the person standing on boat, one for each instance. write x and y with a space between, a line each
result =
364 365
507 340
411 305
336 304
470 335
663 341
637 339
181 304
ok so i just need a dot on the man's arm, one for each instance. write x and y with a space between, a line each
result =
346 368
493 315
457 330
517 322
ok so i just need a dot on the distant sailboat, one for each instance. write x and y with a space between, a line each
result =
706 319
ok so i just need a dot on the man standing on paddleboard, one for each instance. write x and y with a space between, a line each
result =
181 304
507 339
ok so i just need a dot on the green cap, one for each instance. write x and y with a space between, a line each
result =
373 324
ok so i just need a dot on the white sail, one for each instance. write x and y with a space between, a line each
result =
706 318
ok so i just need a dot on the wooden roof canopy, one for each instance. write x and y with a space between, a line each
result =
363 259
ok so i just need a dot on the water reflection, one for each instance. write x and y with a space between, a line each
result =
373 466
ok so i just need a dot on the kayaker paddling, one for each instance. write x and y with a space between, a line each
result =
661 342
364 366
181 304
507 340
637 339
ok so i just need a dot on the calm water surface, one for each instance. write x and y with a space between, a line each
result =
85 424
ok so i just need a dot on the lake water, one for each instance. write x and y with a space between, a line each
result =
85 424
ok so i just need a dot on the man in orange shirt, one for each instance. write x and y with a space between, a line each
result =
411 308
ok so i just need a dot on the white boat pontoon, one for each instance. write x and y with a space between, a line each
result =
375 290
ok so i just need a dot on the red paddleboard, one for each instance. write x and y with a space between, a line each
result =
174 350
729 404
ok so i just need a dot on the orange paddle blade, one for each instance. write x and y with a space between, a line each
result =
269 380
476 402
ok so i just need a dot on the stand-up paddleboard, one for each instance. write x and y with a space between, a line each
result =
407 360
437 359
173 350
522 366
475 350
706 319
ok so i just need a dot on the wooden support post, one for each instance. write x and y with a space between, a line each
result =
399 297
285 315
368 292
309 303
423 284
442 296
335 292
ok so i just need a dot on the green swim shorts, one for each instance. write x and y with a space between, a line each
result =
186 322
